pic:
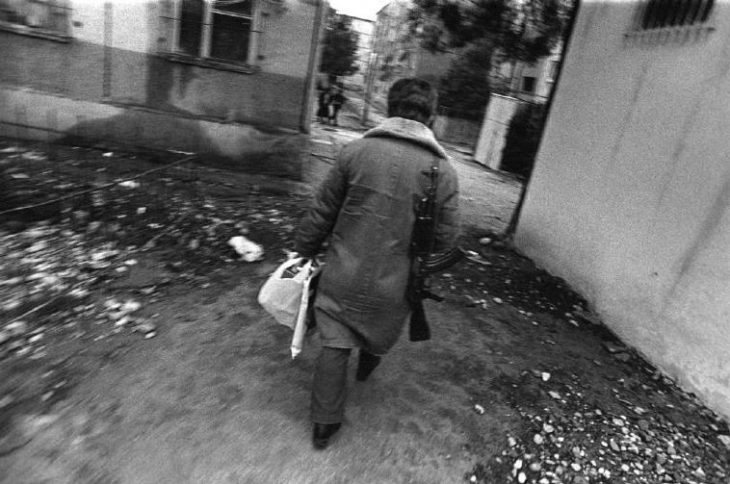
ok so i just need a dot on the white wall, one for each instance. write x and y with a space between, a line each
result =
630 196
495 125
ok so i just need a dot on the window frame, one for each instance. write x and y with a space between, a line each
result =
207 33
533 81
44 33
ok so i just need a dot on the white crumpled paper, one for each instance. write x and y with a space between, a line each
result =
248 250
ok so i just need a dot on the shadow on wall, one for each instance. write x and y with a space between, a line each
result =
234 146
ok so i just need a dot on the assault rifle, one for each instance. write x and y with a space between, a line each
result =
424 261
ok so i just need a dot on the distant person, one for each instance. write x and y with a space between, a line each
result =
336 101
366 207
323 104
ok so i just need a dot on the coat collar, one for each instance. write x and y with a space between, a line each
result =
409 130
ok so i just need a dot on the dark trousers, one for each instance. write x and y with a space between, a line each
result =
329 388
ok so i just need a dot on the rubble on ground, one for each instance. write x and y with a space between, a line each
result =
56 259
572 439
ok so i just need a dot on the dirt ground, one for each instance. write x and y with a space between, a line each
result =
520 383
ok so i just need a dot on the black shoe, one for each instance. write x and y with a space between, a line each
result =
322 434
367 362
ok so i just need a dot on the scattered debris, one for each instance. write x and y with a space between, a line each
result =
614 348
725 439
575 439
248 250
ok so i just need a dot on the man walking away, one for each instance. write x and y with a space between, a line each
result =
365 206
336 102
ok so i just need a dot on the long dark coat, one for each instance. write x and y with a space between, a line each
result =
366 206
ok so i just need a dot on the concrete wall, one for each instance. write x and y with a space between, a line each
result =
34 115
493 133
117 57
630 197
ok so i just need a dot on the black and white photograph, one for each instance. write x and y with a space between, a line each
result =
364 241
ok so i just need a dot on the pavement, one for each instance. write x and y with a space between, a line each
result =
520 383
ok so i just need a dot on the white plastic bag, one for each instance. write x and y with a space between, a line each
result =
285 295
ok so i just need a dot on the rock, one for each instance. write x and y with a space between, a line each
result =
497 300
549 429
614 446
625 357
614 348
16 328
521 478
35 338
123 321
554 394
587 316
535 467
538 439
545 376
130 306
145 327
725 439
511 441
479 409
485 241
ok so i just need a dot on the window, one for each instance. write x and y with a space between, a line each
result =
42 18
217 29
675 13
528 84
664 21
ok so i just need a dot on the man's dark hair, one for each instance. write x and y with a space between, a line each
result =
412 98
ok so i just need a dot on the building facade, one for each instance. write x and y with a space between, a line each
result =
630 196
397 53
212 76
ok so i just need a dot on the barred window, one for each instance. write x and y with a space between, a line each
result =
36 17
216 29
674 13
664 21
